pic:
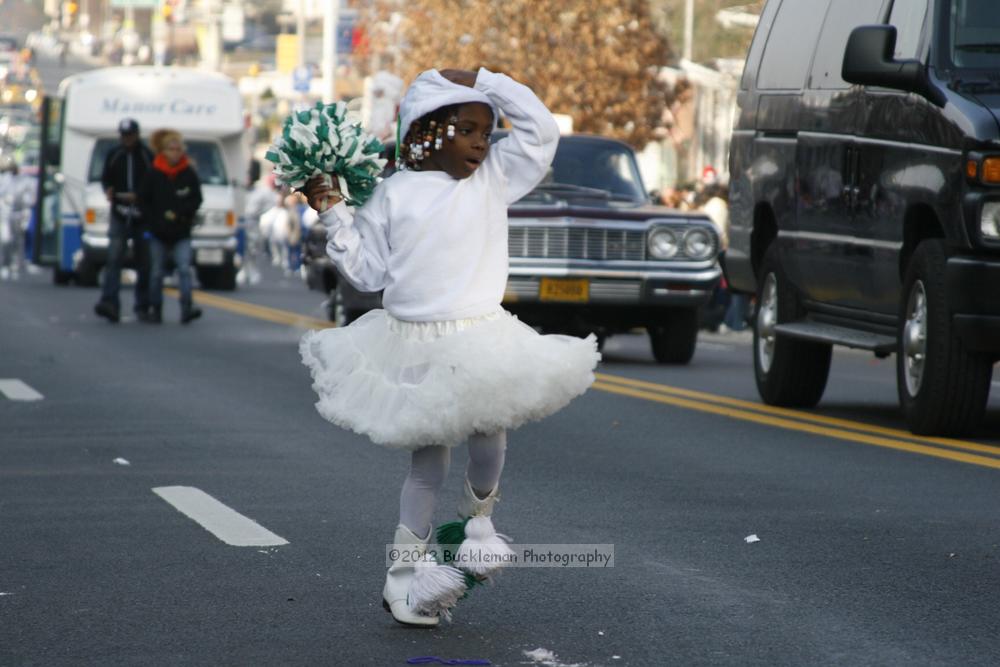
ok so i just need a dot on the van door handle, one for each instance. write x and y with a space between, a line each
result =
849 193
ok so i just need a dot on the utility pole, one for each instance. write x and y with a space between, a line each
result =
300 31
688 29
331 13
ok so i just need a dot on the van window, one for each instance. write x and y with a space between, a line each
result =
908 16
790 45
843 17
757 45
204 155
975 34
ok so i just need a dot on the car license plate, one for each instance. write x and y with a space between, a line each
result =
555 289
209 256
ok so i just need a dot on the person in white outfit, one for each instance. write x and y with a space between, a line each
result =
277 221
17 195
443 363
6 217
261 198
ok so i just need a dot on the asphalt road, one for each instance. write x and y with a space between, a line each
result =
874 548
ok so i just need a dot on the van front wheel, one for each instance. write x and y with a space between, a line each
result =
789 372
217 277
943 387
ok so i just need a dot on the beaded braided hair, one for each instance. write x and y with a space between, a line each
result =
427 134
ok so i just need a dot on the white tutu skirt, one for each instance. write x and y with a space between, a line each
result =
411 384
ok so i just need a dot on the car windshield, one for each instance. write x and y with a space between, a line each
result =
974 34
593 166
204 155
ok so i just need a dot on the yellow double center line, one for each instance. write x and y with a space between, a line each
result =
804 422
253 310
734 408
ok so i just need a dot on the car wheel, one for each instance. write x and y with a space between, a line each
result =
337 312
789 372
673 340
943 388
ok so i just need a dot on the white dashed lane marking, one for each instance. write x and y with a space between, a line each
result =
16 390
222 521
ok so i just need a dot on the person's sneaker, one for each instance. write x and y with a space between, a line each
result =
107 310
190 313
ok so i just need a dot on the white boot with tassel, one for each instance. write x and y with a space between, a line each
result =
484 551
408 550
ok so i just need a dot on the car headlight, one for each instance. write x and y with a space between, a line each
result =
698 244
211 218
989 222
663 244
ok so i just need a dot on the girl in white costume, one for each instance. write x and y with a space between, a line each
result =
443 363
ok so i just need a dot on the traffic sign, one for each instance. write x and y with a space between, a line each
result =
301 78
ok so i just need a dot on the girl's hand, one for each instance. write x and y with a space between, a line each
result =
320 194
462 77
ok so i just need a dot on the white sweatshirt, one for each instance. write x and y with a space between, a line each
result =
438 245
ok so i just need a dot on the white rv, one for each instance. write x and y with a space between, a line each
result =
80 128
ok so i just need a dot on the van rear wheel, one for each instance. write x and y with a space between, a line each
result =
789 372
943 387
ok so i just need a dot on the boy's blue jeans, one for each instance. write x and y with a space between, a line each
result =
180 252
119 234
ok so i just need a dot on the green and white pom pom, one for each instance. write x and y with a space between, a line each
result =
473 546
321 141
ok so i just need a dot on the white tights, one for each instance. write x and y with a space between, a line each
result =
429 468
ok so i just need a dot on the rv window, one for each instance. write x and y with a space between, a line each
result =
204 155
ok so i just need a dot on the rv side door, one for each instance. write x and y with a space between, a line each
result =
46 245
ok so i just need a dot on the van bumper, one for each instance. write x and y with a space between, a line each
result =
973 286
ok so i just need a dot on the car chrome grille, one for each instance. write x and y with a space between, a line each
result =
600 291
577 243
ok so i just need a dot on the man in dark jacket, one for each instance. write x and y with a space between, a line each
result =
124 173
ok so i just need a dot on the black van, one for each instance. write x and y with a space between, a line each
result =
865 198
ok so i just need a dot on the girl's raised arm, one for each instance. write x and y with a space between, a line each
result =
358 243
526 153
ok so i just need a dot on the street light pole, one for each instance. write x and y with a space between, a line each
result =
300 31
688 29
330 15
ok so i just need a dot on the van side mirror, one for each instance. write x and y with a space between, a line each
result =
868 61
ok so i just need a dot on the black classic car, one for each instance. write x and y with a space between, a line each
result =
589 253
